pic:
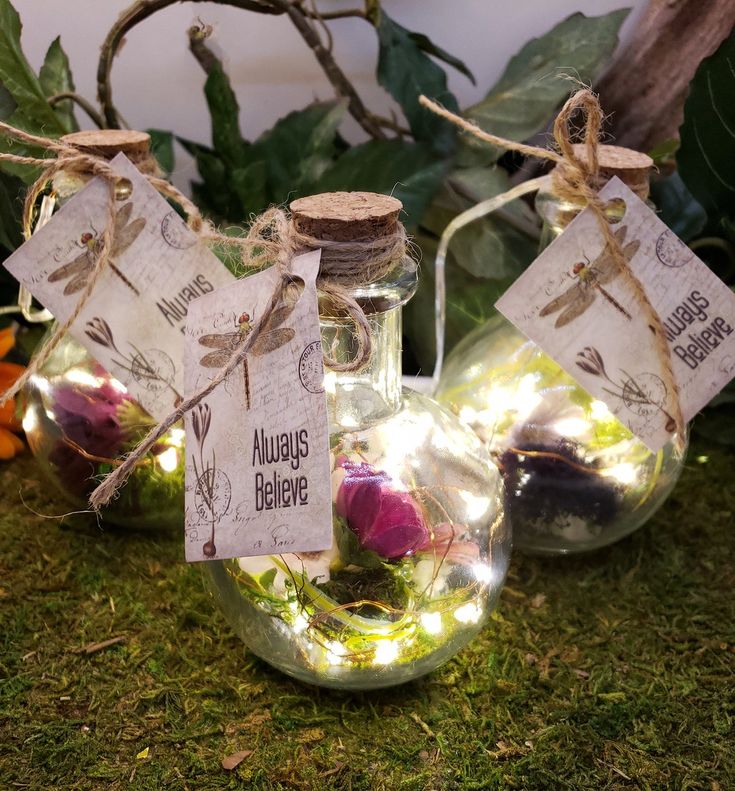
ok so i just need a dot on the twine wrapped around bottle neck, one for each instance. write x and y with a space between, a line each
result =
576 178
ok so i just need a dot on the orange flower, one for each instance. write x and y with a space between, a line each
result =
10 445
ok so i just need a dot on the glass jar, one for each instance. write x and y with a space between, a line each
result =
78 418
577 478
420 547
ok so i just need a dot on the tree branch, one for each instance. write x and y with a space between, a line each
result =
327 15
334 74
645 86
132 16
87 106
198 35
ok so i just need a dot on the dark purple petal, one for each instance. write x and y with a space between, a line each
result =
384 520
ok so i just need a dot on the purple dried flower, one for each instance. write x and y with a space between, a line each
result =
88 416
385 520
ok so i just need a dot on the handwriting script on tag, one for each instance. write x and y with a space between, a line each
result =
257 448
133 321
573 303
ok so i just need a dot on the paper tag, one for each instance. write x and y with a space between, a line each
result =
133 321
257 448
574 304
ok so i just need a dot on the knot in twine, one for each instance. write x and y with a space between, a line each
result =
577 180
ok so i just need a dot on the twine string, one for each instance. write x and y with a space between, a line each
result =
572 180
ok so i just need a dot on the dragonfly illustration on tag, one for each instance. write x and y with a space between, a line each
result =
79 270
590 279
271 337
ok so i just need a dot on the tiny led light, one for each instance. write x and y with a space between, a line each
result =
80 377
468 613
571 426
176 437
624 472
477 507
431 622
168 460
599 410
300 623
335 652
118 385
385 653
30 421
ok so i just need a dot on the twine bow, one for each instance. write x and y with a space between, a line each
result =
574 179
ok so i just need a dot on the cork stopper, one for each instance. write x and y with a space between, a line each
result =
631 167
346 216
107 143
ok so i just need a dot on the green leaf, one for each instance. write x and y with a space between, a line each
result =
18 78
191 147
425 44
488 248
55 77
406 72
470 302
214 194
267 577
350 550
250 184
299 147
162 148
533 84
409 171
225 112
8 105
664 152
677 207
706 157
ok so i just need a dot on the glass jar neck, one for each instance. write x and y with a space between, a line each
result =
360 398
557 213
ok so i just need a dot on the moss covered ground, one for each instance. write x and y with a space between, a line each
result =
609 671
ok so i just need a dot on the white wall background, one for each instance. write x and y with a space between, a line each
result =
157 83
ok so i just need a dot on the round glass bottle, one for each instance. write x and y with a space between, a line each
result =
77 417
577 478
420 547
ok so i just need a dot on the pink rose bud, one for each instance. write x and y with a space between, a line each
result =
385 520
